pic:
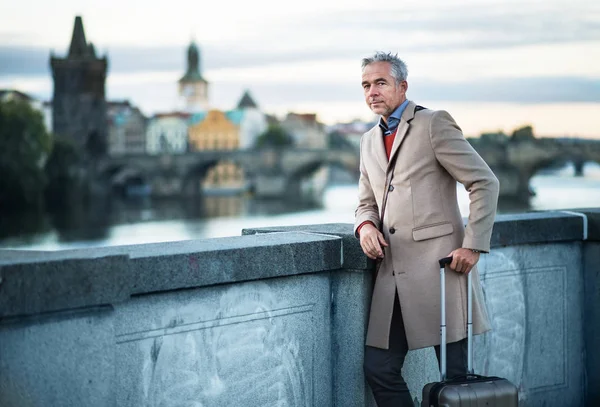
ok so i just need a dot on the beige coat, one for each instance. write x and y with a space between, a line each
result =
423 211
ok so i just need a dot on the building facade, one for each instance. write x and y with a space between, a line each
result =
79 110
219 130
167 133
252 122
306 130
351 131
193 88
126 129
216 131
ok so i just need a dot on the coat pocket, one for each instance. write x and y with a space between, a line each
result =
431 231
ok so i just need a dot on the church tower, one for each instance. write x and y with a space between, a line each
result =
193 88
79 102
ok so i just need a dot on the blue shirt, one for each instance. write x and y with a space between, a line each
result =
393 121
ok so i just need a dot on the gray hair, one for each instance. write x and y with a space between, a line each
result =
398 68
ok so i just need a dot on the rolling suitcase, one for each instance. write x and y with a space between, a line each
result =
469 390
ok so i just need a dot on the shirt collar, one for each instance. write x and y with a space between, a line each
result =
393 120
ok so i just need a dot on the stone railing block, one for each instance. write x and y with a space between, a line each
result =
536 227
48 281
34 283
354 257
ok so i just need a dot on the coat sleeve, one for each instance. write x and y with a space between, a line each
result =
466 166
367 209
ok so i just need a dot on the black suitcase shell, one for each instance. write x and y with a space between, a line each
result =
469 390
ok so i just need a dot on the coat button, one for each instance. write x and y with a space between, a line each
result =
391 188
392 231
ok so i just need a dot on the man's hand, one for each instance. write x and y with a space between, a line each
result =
371 241
463 260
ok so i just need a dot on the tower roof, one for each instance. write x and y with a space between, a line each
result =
79 47
193 72
246 102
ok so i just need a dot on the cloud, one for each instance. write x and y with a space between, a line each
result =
347 33
512 90
151 87
475 24
283 96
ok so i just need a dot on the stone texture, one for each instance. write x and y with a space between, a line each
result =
66 359
533 296
353 255
591 276
34 284
229 260
351 296
536 227
254 344
38 283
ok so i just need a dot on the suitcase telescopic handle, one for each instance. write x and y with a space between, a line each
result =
443 263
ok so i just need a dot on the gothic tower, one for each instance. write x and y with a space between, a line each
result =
193 88
79 103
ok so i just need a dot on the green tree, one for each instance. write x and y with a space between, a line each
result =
24 147
274 136
63 174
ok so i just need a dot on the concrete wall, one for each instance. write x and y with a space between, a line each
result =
277 317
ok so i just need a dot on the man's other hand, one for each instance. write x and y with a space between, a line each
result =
463 260
372 241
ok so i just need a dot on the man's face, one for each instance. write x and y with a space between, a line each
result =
382 94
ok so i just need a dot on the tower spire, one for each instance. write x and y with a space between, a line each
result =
79 46
192 86
194 71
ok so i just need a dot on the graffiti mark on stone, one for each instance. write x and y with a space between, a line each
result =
505 300
252 359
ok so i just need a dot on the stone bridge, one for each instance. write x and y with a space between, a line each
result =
268 172
280 173
277 317
515 162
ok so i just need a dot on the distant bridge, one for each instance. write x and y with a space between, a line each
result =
280 172
515 161
269 172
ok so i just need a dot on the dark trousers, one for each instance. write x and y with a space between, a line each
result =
383 366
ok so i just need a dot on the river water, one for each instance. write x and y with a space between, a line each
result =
144 221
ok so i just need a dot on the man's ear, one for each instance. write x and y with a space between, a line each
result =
404 85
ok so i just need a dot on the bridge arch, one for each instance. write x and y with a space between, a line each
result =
126 180
310 179
215 176
559 161
515 162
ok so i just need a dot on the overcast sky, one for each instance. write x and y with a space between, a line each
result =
492 64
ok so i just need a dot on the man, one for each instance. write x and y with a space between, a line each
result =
410 163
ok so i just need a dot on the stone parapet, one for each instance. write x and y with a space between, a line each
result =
39 282
277 316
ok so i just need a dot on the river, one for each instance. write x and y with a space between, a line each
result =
146 221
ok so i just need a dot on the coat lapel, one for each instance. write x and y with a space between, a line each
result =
379 148
407 116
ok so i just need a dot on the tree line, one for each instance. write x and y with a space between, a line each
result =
37 168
